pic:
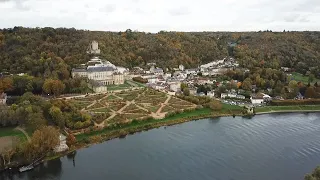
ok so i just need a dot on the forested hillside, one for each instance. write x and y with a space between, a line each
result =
47 51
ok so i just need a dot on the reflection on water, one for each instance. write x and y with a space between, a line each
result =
265 147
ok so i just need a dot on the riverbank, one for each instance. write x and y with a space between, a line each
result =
121 131
287 109
138 126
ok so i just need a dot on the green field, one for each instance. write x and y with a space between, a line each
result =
137 83
230 107
10 131
299 77
190 114
101 110
119 87
286 108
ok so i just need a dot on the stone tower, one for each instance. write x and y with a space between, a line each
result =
93 48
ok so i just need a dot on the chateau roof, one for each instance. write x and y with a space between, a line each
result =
100 68
79 70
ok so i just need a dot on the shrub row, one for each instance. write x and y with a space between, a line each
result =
295 102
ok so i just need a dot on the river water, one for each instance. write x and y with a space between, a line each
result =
266 147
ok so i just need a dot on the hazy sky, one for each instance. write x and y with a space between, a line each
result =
156 15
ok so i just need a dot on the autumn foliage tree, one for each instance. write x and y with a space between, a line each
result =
42 141
215 105
311 92
5 84
71 140
52 86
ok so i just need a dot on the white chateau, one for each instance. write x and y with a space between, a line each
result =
100 71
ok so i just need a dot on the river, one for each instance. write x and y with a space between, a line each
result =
265 147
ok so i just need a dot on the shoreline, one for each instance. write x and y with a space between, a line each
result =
96 137
287 111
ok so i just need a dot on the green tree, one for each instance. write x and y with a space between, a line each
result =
315 175
186 91
247 84
311 78
35 120
183 85
57 116
310 92
215 105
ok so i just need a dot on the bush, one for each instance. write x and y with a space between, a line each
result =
295 102
140 80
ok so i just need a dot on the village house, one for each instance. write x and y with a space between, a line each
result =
285 69
3 99
201 94
171 93
232 95
256 99
224 95
193 91
175 86
210 94
191 71
156 71
240 97
259 98
181 67
97 87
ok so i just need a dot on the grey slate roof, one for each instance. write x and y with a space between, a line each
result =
100 69
79 70
158 70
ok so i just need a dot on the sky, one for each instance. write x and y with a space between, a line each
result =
168 15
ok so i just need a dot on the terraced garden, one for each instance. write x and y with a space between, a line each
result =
126 106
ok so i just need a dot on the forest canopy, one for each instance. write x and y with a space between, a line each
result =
49 52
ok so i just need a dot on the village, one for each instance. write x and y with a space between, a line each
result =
196 78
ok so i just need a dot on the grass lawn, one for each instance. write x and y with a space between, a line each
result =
101 110
81 104
138 84
180 106
90 97
95 106
263 109
167 108
231 107
287 108
119 87
110 97
133 116
300 77
153 108
10 131
195 113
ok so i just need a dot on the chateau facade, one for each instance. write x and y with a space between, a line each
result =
100 72
105 73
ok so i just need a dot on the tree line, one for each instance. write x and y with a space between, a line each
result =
49 52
